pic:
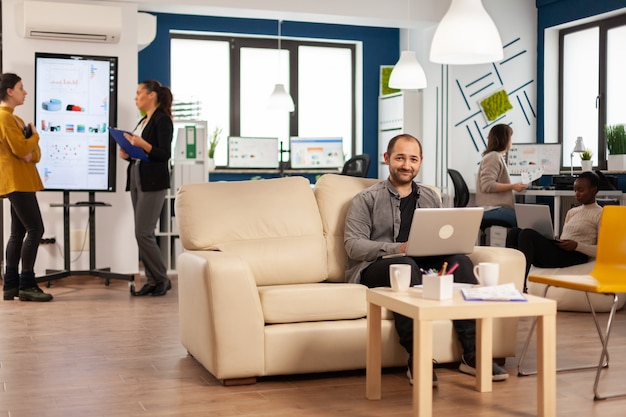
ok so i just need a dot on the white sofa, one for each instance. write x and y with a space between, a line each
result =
261 281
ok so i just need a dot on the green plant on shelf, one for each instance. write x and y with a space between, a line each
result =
214 139
586 155
615 139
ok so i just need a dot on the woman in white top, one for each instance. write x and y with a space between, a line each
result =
579 239
494 190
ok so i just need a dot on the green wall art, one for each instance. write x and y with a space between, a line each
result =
495 105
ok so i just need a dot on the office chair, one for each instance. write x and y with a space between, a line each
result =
461 192
608 277
461 199
356 166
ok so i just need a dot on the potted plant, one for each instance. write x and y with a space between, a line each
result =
585 160
616 143
214 139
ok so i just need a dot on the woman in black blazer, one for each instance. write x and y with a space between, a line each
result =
149 180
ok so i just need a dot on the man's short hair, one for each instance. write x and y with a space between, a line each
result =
393 141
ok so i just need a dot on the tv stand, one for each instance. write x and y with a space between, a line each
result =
105 273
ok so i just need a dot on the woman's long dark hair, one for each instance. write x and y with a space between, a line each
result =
164 95
498 138
7 81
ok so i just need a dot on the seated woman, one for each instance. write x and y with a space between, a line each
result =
494 190
578 241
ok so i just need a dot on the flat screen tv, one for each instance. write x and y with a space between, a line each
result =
75 104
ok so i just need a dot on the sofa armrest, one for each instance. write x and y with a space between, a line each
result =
512 263
221 320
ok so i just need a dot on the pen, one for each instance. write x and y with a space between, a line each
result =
453 268
443 269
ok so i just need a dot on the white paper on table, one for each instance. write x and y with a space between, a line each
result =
505 292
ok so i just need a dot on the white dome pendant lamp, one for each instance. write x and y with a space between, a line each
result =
466 35
280 99
407 74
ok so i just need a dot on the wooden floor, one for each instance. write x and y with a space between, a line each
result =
95 351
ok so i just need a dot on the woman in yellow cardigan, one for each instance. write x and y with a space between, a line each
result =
19 180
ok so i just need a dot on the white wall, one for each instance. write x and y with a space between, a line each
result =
115 241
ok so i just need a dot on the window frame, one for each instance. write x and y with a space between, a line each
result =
292 45
603 25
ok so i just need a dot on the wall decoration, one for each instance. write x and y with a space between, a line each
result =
385 73
501 92
495 105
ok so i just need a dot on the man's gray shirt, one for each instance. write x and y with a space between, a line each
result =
373 224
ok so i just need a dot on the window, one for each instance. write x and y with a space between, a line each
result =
592 85
230 80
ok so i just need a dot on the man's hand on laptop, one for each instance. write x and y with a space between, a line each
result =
403 247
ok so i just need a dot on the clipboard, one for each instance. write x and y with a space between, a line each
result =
135 152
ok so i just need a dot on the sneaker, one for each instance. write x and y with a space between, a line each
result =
34 294
11 293
468 366
410 376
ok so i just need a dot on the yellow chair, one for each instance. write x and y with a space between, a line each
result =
607 277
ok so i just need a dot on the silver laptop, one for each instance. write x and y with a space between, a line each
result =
535 216
444 231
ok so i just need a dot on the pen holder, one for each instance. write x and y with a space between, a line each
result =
437 287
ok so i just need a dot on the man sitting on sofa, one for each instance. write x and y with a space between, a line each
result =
378 224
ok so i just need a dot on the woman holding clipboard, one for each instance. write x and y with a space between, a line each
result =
148 180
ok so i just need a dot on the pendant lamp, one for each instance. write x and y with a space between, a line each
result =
407 74
280 98
466 35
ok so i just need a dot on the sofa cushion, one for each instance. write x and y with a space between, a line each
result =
312 302
270 224
334 193
572 300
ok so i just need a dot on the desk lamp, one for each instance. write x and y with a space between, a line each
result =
579 147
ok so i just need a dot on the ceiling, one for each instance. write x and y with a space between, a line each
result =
387 13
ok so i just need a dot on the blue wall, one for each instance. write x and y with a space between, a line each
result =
555 12
380 47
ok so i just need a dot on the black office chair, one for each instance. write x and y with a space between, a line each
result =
461 192
356 166
461 199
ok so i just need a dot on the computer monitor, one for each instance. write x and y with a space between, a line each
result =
526 157
311 153
252 152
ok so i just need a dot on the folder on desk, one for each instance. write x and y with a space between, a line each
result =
506 292
135 152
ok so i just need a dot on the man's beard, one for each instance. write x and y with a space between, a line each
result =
396 176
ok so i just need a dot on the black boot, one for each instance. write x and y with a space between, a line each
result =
29 290
11 283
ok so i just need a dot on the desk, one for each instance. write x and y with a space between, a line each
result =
558 195
424 312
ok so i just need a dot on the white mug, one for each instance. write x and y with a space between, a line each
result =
400 277
487 273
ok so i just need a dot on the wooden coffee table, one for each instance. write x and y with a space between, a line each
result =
424 312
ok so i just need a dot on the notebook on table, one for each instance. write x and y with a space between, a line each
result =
536 217
444 231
